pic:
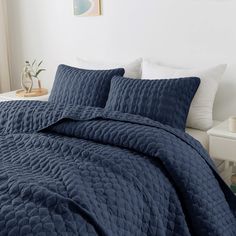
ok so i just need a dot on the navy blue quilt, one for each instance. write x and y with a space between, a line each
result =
67 170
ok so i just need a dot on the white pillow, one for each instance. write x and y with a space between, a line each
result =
132 70
200 113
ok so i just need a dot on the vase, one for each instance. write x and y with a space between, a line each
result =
26 81
39 84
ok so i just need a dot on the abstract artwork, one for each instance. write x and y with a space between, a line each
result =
87 7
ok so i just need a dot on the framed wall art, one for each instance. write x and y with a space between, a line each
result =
87 7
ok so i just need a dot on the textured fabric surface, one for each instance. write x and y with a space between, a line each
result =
82 87
201 109
166 101
132 69
95 172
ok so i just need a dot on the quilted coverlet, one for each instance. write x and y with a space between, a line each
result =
87 171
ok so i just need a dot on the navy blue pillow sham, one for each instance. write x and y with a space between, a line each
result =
167 101
82 87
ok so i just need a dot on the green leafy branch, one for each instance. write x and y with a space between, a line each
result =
35 69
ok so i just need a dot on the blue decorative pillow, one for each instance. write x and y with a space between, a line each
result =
82 87
167 101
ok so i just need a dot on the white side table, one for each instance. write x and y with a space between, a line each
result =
11 96
222 146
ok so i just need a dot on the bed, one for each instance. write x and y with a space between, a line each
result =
203 138
201 135
99 168
83 171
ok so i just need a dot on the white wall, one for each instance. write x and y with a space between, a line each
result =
180 32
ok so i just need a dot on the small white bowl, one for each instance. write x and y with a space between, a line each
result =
232 124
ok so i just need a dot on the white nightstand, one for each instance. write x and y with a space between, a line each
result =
11 96
222 146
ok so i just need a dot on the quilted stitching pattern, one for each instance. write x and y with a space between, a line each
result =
166 101
105 173
82 87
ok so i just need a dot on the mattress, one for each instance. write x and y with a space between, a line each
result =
203 138
200 135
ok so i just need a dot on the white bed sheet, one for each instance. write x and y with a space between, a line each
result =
200 135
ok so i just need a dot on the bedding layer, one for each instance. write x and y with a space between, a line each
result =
87 171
